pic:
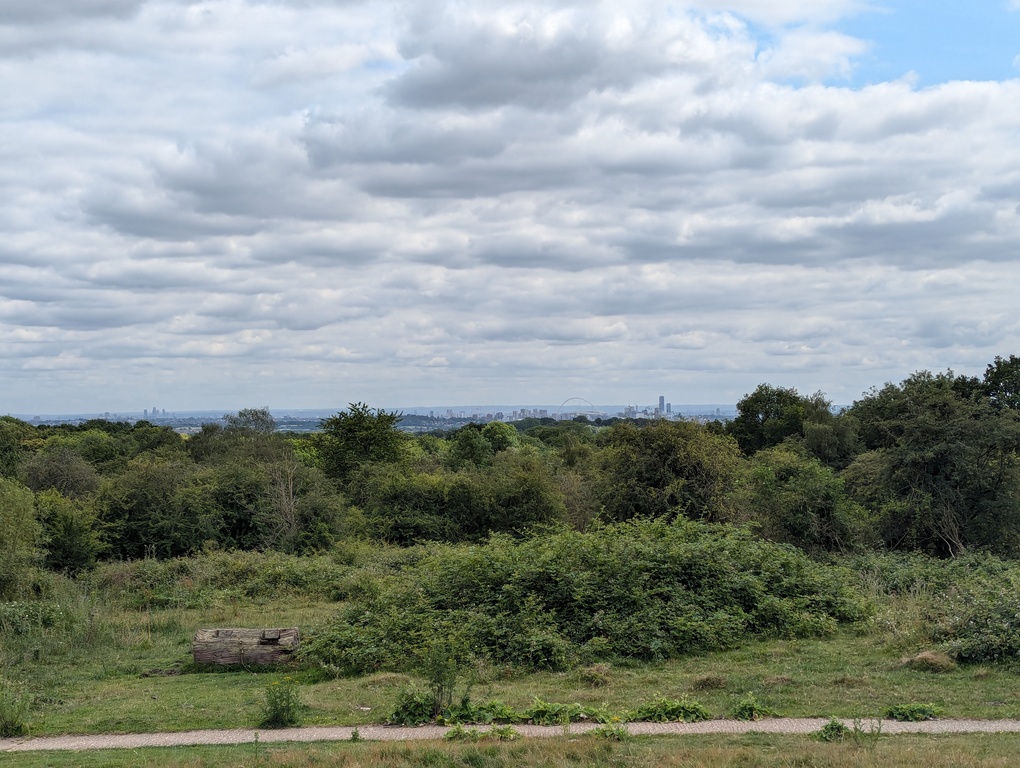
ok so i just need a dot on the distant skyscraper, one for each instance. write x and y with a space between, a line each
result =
662 403
669 408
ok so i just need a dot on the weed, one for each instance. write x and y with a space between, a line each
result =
663 710
13 710
611 733
834 730
414 707
504 733
750 708
355 735
549 713
912 713
460 733
281 708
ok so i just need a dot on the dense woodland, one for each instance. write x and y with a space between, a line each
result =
927 465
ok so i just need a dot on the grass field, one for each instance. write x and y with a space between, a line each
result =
107 665
130 681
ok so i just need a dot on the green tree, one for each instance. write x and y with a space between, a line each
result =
253 420
72 532
766 417
357 436
941 472
1002 382
797 500
14 438
21 539
665 469
63 469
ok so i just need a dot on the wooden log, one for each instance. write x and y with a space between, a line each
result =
245 646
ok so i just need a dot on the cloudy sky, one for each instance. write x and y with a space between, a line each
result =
303 203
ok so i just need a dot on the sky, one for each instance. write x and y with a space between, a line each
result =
304 203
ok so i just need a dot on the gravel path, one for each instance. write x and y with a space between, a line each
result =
388 733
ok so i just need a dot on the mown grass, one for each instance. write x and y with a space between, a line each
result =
749 751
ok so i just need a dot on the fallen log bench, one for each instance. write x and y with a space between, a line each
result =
245 646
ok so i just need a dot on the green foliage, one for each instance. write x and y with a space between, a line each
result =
750 708
640 590
196 581
460 733
1002 382
14 704
357 436
942 472
403 506
797 500
504 733
912 713
611 732
766 417
666 469
979 620
281 706
72 533
21 539
549 713
415 706
664 710
834 730
15 435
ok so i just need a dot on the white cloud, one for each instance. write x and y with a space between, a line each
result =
310 203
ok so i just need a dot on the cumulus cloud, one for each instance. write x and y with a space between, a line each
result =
313 202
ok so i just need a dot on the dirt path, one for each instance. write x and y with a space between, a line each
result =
387 733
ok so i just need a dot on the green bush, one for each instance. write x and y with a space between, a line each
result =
415 706
834 730
663 710
642 589
282 705
912 713
750 708
978 622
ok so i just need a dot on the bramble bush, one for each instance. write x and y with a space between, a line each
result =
640 589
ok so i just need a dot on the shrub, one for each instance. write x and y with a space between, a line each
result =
643 589
414 707
663 710
281 708
749 708
548 713
912 713
978 621
834 730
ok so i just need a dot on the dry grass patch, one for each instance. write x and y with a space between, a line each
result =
935 662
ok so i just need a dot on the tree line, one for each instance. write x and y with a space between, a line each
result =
927 465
